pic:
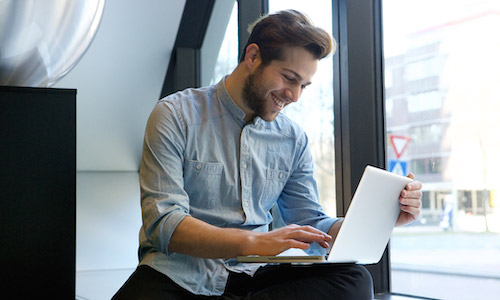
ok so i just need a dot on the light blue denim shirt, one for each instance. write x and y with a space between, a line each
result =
200 158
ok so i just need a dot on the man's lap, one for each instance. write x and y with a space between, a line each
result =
287 281
270 282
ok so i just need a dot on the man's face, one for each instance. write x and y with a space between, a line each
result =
268 89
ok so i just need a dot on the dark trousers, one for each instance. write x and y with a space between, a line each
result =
271 282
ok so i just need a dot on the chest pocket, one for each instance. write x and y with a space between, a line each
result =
202 183
275 182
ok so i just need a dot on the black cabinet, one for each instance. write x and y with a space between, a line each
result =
38 192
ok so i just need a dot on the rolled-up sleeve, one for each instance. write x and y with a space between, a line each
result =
164 202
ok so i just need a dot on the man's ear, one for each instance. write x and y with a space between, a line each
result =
252 55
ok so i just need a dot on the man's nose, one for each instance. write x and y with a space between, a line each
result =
293 93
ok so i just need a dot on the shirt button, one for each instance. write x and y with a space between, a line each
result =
246 203
198 166
280 175
244 166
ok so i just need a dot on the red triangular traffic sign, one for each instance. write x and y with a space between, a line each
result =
399 144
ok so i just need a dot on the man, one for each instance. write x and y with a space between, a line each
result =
217 159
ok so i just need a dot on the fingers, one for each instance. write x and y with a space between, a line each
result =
412 210
412 190
416 203
297 244
291 236
415 185
298 235
410 201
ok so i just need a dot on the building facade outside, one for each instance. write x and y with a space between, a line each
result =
443 93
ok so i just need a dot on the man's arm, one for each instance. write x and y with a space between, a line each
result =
197 238
334 230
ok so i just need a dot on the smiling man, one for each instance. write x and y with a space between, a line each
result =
217 159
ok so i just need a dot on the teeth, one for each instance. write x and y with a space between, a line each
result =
278 101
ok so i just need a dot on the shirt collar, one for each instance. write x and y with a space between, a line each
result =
223 96
237 113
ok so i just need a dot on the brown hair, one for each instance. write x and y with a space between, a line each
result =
287 28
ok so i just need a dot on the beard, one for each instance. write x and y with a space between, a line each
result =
252 95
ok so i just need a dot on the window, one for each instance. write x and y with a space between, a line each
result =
389 107
445 63
223 25
429 133
314 110
425 68
424 101
388 79
426 166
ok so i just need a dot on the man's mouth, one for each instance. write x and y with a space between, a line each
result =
278 102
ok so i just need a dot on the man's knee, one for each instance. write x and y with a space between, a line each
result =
356 281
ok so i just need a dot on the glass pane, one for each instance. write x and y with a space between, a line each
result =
314 110
442 105
220 47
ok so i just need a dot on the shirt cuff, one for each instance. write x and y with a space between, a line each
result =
168 227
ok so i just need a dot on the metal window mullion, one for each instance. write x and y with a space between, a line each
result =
248 12
359 105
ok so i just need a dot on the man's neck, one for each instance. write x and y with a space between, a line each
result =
234 85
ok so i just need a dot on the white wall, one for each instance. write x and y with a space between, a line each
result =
119 80
108 220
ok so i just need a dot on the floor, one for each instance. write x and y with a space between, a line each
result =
393 296
445 286
100 285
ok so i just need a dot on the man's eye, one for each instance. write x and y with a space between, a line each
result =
288 78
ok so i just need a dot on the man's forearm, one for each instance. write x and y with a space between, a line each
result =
197 238
334 230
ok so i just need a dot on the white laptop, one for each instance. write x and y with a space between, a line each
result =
367 226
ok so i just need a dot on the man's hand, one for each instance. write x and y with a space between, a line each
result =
291 236
410 202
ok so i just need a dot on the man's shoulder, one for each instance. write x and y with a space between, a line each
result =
190 96
289 128
193 104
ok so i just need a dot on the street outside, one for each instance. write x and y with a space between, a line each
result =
429 261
